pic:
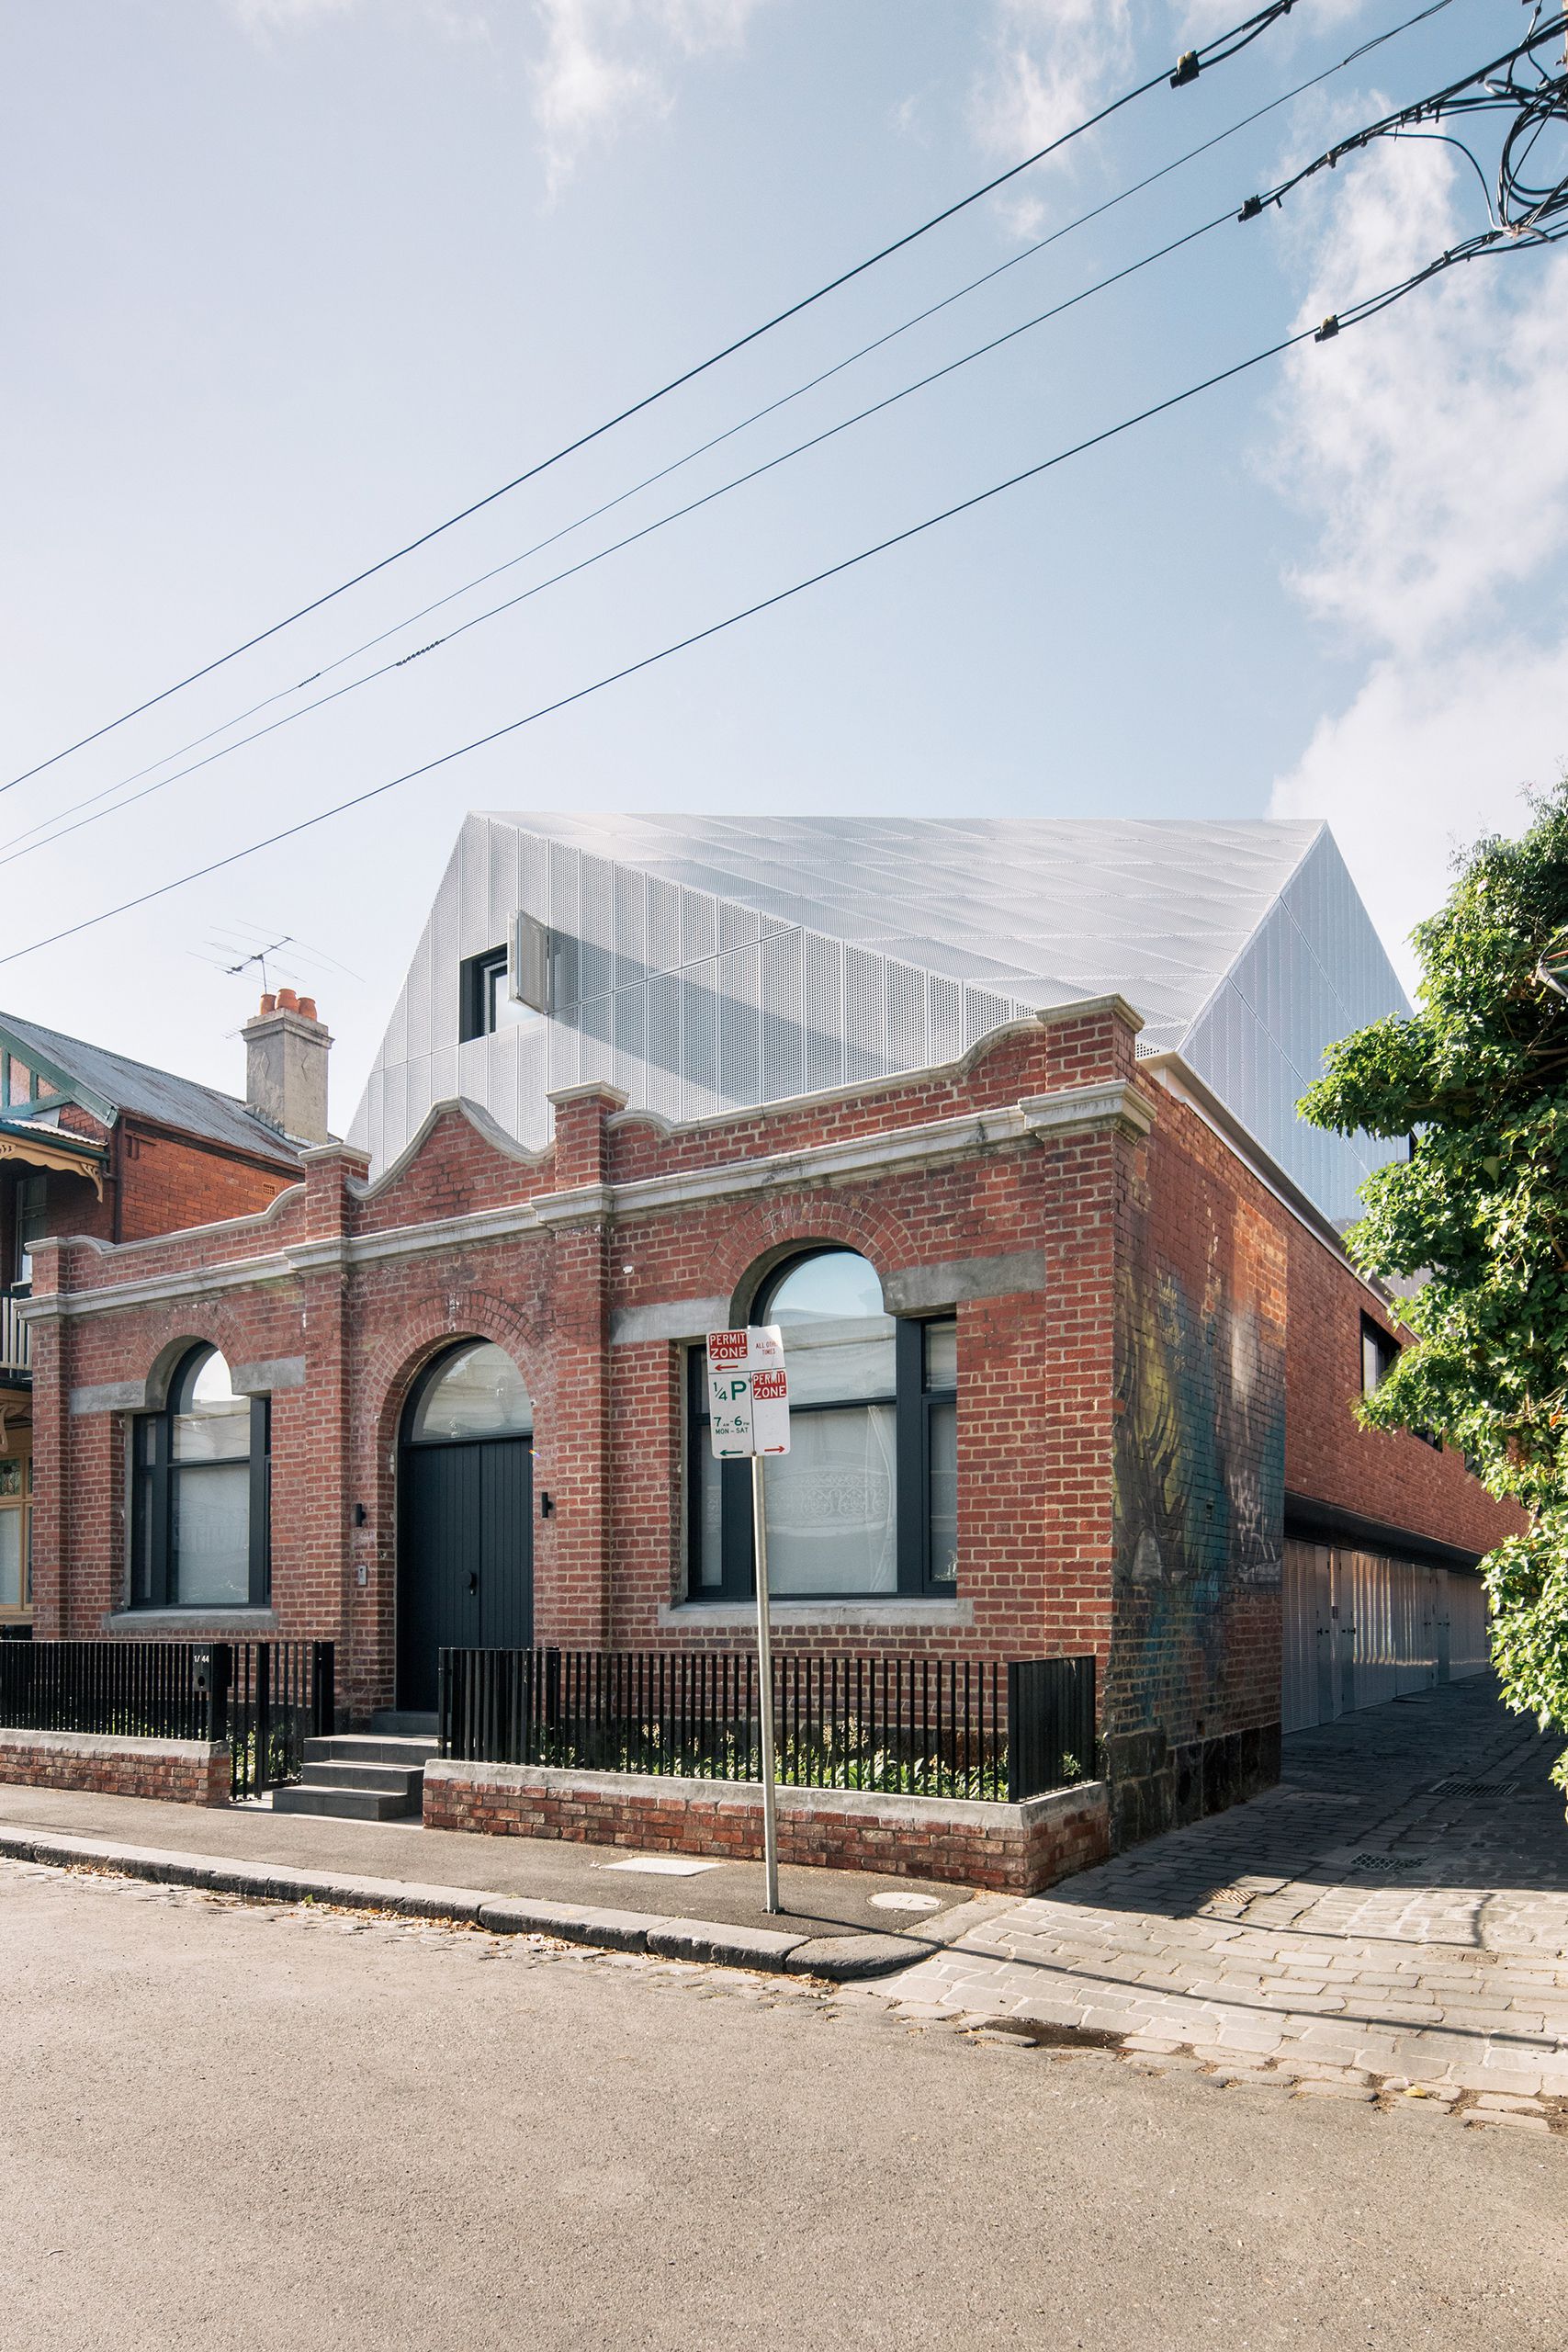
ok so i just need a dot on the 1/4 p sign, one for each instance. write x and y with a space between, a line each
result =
748 1392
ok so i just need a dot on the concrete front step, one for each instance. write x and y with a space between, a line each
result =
369 1748
402 1780
343 1805
360 1776
402 1724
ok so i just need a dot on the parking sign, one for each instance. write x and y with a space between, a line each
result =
748 1392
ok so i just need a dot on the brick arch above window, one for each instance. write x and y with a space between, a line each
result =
427 1330
763 1236
235 1342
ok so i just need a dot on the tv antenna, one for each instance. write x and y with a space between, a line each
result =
259 956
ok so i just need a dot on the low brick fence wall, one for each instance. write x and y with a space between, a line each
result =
1004 1849
181 1772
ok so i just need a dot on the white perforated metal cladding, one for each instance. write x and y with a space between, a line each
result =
709 963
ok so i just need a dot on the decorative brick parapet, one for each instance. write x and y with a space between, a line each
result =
180 1771
1005 1849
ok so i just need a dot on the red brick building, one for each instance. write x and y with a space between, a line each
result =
96 1145
1073 1360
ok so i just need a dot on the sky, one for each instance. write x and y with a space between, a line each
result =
287 282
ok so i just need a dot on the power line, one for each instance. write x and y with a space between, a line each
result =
1223 47
1495 89
108 792
615 546
716 629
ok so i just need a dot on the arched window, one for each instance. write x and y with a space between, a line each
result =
863 1505
199 1494
477 1391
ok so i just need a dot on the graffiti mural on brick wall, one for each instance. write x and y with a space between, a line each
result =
1200 1475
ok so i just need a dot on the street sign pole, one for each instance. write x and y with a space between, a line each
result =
765 1688
749 1416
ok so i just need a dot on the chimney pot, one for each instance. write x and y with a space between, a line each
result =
286 1066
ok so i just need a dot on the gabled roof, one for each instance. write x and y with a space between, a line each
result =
707 963
1044 909
112 1082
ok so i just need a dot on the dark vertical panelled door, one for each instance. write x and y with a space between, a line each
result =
464 1565
465 1517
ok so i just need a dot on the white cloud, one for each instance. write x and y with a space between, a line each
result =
1428 447
594 64
1050 64
605 60
1427 755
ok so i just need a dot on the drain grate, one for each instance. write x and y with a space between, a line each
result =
1385 1862
1229 1899
1456 1787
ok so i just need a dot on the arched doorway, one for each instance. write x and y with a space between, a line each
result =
465 1517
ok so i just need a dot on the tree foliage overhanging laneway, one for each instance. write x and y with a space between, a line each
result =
1478 1079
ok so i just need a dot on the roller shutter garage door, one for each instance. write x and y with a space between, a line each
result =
1362 1627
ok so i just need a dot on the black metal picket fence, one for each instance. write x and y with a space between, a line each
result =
984 1728
264 1699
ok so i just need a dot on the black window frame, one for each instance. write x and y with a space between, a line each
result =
154 1569
1382 1347
911 1400
1378 1346
477 976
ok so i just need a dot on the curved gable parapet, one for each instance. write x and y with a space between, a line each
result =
291 1197
367 1189
1022 1051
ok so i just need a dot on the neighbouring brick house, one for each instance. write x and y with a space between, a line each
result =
92 1143
1074 1341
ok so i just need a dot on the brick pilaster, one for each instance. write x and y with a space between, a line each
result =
572 1603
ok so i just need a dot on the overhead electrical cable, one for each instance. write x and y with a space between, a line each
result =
716 441
1217 50
615 546
1351 316
1521 208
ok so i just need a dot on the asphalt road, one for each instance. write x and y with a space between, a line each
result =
229 2125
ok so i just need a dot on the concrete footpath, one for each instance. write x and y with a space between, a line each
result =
835 1924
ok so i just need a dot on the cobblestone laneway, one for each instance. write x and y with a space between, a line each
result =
1392 1920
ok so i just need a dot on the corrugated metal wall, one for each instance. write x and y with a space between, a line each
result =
1315 971
1362 1628
691 1003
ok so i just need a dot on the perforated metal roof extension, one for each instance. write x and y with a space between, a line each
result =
1050 909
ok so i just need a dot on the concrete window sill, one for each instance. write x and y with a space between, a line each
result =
200 1623
897 1614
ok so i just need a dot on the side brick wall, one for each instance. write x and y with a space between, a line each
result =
1006 1849
177 1772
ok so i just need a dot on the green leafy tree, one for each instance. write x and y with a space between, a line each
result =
1478 1081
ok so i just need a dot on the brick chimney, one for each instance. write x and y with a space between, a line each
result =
286 1066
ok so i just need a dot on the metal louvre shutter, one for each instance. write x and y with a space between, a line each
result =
1360 1628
